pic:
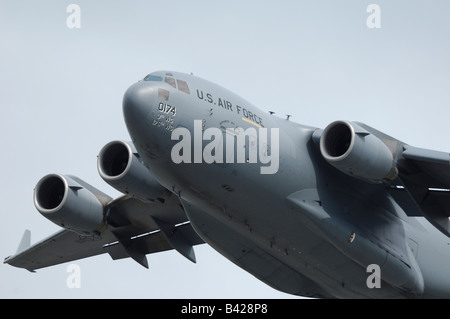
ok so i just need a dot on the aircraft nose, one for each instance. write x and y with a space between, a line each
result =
137 103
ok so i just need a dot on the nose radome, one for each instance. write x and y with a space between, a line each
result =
137 102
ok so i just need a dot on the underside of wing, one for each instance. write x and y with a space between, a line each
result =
425 174
61 247
146 220
423 184
134 229
418 178
427 167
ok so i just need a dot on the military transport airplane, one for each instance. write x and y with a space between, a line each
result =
344 212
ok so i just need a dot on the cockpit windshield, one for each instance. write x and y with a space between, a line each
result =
153 78
182 85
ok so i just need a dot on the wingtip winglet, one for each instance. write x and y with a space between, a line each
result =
25 242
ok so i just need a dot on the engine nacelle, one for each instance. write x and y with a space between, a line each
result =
356 152
69 204
120 166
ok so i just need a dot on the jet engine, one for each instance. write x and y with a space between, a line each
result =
356 152
120 166
69 203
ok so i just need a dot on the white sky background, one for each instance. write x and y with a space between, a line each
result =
61 101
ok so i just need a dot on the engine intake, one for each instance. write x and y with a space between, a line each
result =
69 204
356 152
120 166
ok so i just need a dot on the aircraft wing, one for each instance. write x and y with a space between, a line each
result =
425 175
423 184
134 229
430 168
418 178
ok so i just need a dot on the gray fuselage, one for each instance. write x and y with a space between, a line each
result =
305 229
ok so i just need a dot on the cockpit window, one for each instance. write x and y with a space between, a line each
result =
163 94
153 78
183 87
171 81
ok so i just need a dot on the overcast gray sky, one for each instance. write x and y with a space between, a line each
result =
62 88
